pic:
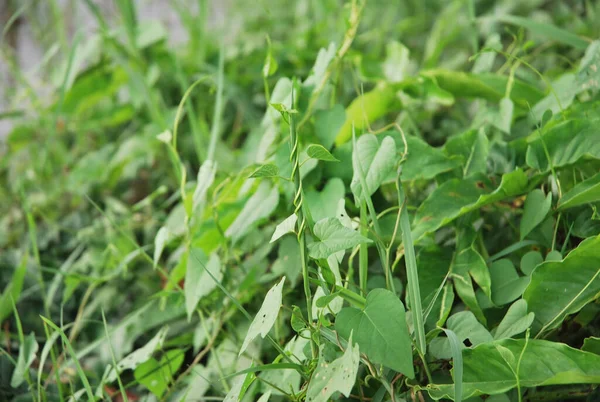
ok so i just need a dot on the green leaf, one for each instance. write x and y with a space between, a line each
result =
588 191
266 316
324 204
567 142
424 161
162 238
286 226
205 179
588 74
333 237
141 355
199 283
507 285
260 205
27 353
486 370
516 321
591 345
380 330
564 89
569 284
156 375
376 160
457 363
457 197
549 31
270 64
477 161
335 376
465 326
328 123
317 151
531 260
268 170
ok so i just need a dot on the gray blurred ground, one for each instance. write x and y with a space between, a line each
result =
26 37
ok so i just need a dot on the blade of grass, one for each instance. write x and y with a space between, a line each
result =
457 363
114 359
65 339
414 292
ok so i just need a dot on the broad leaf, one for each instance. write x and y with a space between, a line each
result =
268 170
206 177
516 321
375 160
507 285
141 355
266 316
259 206
334 376
156 375
328 123
162 238
199 283
531 260
380 330
333 237
587 191
465 326
537 206
560 288
423 161
486 370
324 204
457 197
319 152
287 226
566 142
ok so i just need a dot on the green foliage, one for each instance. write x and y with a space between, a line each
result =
397 212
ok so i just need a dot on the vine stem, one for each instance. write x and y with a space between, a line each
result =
301 221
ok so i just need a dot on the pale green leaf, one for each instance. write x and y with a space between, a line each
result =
199 283
156 375
319 152
266 316
333 237
335 376
380 330
139 356
516 321
286 226
267 170
162 238
27 353
537 206
376 162
205 179
259 206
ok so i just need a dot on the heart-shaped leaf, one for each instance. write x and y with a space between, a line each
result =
319 152
380 330
375 160
333 237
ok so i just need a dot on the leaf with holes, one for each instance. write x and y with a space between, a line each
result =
336 376
333 237
266 316
380 330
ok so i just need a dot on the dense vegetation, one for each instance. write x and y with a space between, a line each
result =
365 201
